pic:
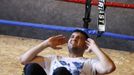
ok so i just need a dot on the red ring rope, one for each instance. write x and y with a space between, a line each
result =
110 4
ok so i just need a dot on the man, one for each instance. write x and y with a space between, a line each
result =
74 64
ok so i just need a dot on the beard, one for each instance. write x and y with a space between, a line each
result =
74 49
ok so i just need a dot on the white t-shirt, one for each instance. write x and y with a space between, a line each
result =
77 66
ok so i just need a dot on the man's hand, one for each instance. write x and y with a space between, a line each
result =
55 41
90 44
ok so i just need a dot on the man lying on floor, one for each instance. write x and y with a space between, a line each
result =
74 64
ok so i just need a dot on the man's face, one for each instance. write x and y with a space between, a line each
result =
77 41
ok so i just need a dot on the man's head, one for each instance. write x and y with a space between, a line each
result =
76 43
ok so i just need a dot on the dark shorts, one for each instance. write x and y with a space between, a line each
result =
36 69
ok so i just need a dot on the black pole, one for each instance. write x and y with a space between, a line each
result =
86 18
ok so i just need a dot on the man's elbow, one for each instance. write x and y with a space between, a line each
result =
22 61
111 68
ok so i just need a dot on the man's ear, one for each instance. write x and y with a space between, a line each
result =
88 51
86 47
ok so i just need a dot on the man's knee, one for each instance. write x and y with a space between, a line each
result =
61 71
31 65
33 69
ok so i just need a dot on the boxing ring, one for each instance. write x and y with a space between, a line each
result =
12 47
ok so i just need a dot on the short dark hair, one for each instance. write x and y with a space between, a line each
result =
83 32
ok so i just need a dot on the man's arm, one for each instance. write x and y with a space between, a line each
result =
105 64
32 54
